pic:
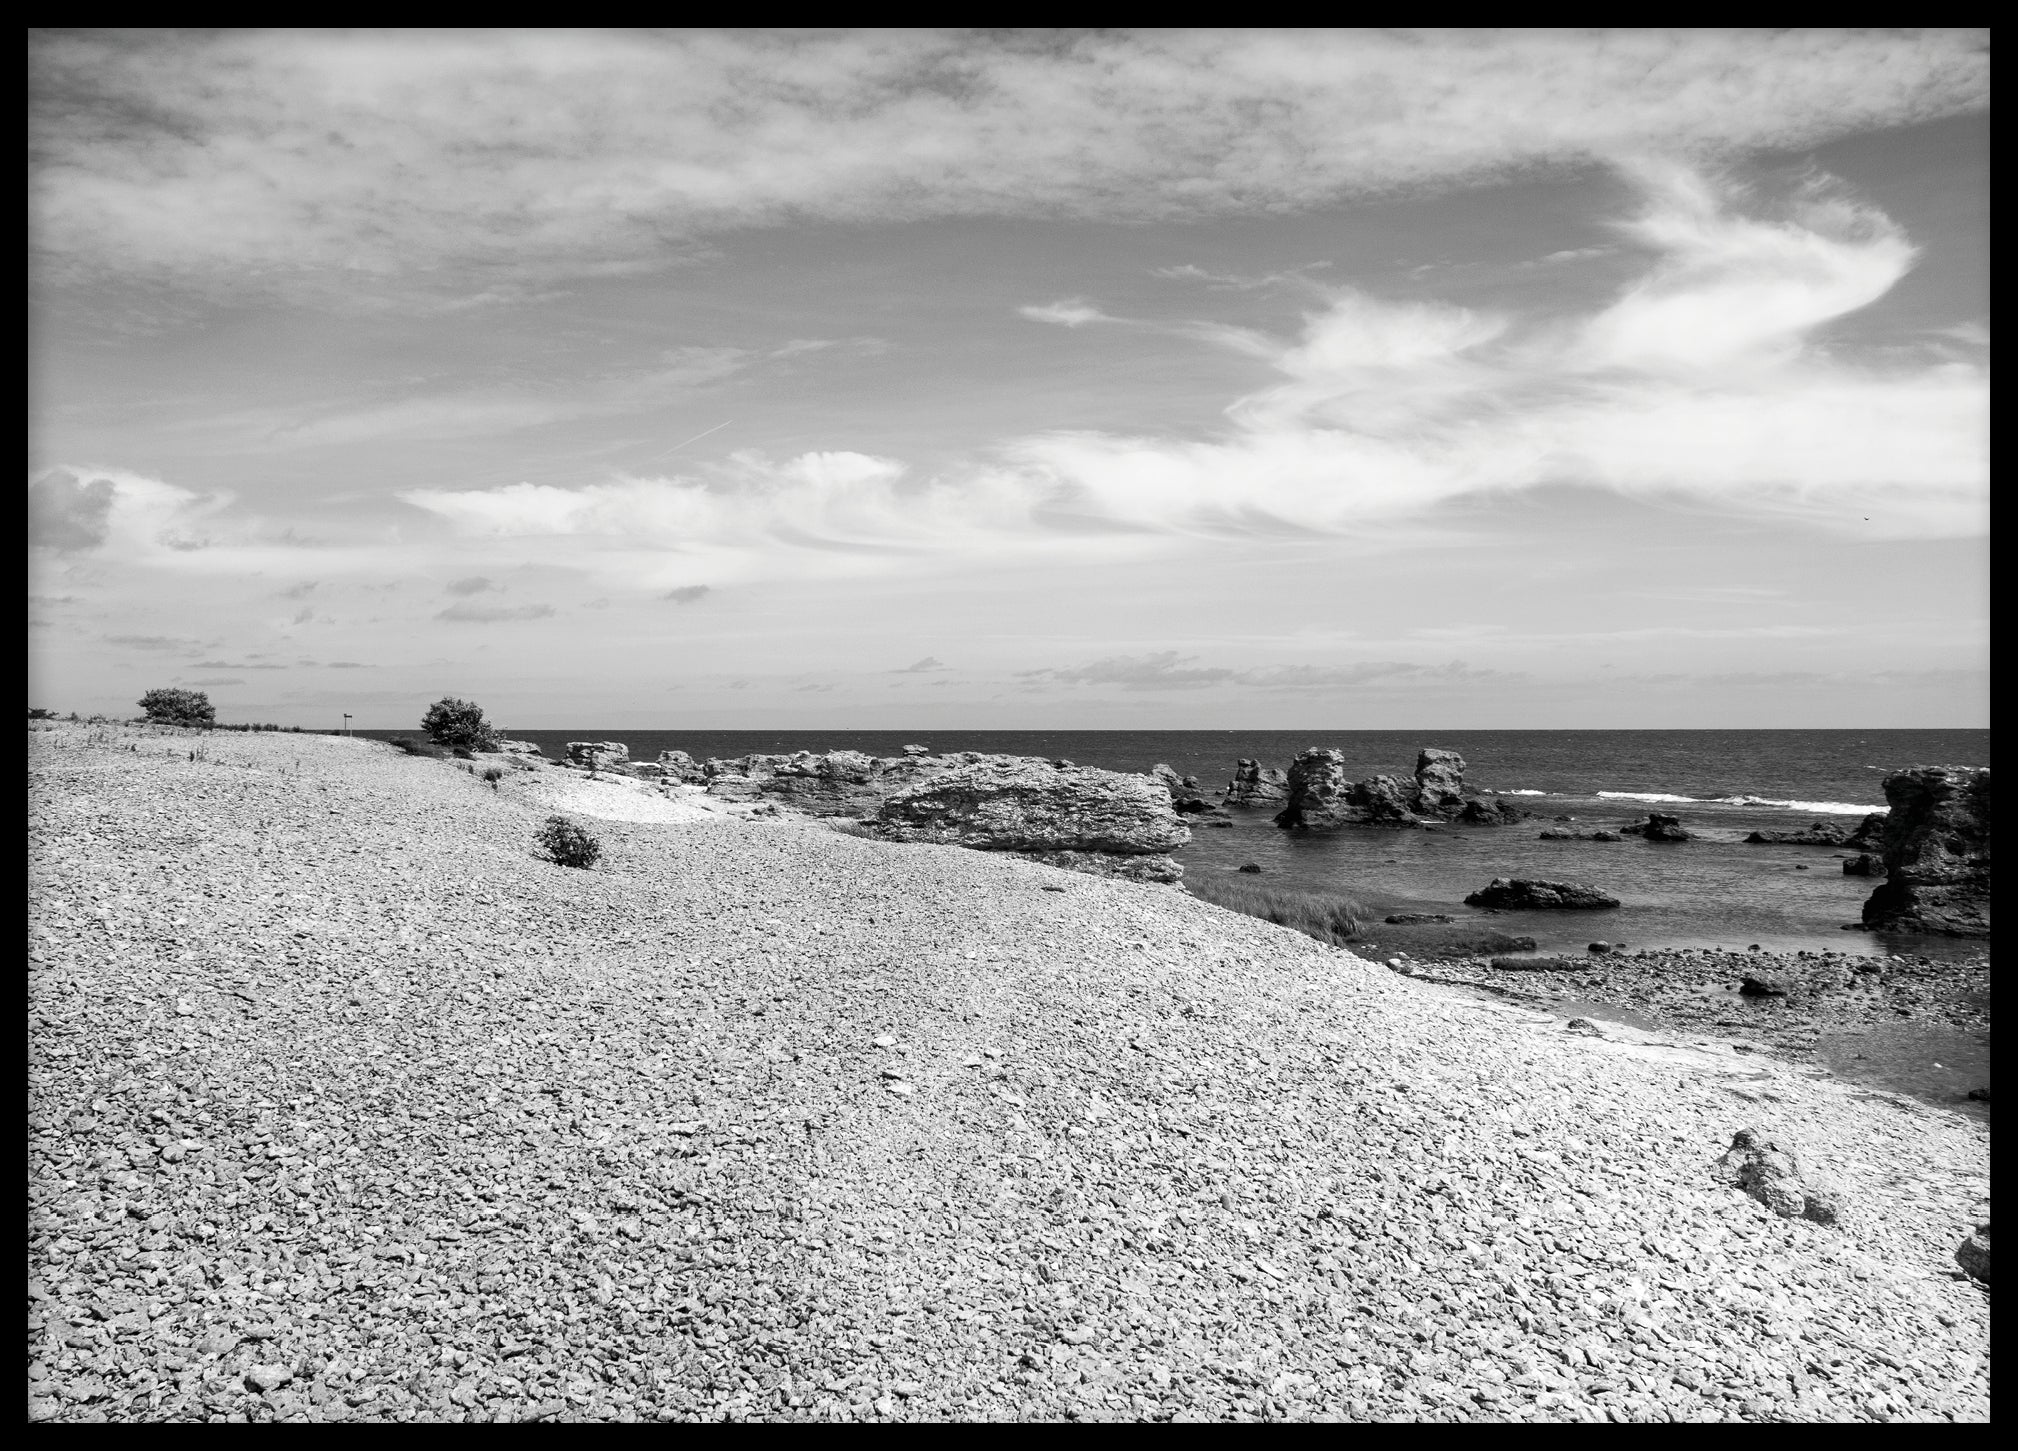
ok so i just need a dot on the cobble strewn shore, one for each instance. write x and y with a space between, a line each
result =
345 1106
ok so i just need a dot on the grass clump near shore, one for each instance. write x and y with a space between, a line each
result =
568 845
418 748
1329 917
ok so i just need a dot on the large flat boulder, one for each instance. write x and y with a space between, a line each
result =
1936 853
1022 804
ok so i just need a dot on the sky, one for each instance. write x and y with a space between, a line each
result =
892 379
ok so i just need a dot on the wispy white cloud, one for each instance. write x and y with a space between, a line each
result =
494 159
1071 312
1384 412
470 612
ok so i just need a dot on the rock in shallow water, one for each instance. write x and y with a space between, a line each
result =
1937 853
1521 893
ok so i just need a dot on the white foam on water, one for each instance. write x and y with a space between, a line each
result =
1525 792
1825 808
1645 796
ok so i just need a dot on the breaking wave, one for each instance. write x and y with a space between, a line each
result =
1820 808
1825 808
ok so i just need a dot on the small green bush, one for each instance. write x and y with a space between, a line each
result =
178 707
452 723
417 748
568 845
493 774
36 713
1328 917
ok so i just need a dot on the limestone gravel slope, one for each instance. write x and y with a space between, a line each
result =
346 1106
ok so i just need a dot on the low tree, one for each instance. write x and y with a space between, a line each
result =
452 723
179 707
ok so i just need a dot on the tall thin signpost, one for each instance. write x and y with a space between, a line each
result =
346 722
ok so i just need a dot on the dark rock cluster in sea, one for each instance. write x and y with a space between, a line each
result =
1321 797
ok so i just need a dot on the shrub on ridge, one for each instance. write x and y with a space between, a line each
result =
568 845
458 723
178 707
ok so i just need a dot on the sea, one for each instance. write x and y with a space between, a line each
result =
1714 892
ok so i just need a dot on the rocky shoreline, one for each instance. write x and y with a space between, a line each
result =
346 1105
1780 1004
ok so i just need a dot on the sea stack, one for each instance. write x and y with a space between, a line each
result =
1936 853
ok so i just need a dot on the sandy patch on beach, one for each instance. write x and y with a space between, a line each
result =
614 799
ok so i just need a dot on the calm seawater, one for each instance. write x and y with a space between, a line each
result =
1712 892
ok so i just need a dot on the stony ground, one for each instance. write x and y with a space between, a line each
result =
1801 996
345 1106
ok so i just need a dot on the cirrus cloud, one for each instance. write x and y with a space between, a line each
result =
254 158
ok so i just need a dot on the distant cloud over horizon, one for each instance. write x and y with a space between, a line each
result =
492 614
686 594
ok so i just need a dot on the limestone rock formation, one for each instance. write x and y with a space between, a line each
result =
598 755
1254 784
1518 893
1775 1177
1439 781
1321 798
1870 833
518 748
679 766
1863 864
1019 804
1937 853
838 783
1318 791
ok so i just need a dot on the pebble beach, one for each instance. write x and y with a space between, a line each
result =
347 1106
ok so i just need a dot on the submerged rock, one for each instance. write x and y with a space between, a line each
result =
1404 919
1520 893
1775 1177
1936 853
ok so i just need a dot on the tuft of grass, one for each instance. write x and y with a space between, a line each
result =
418 748
1327 916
